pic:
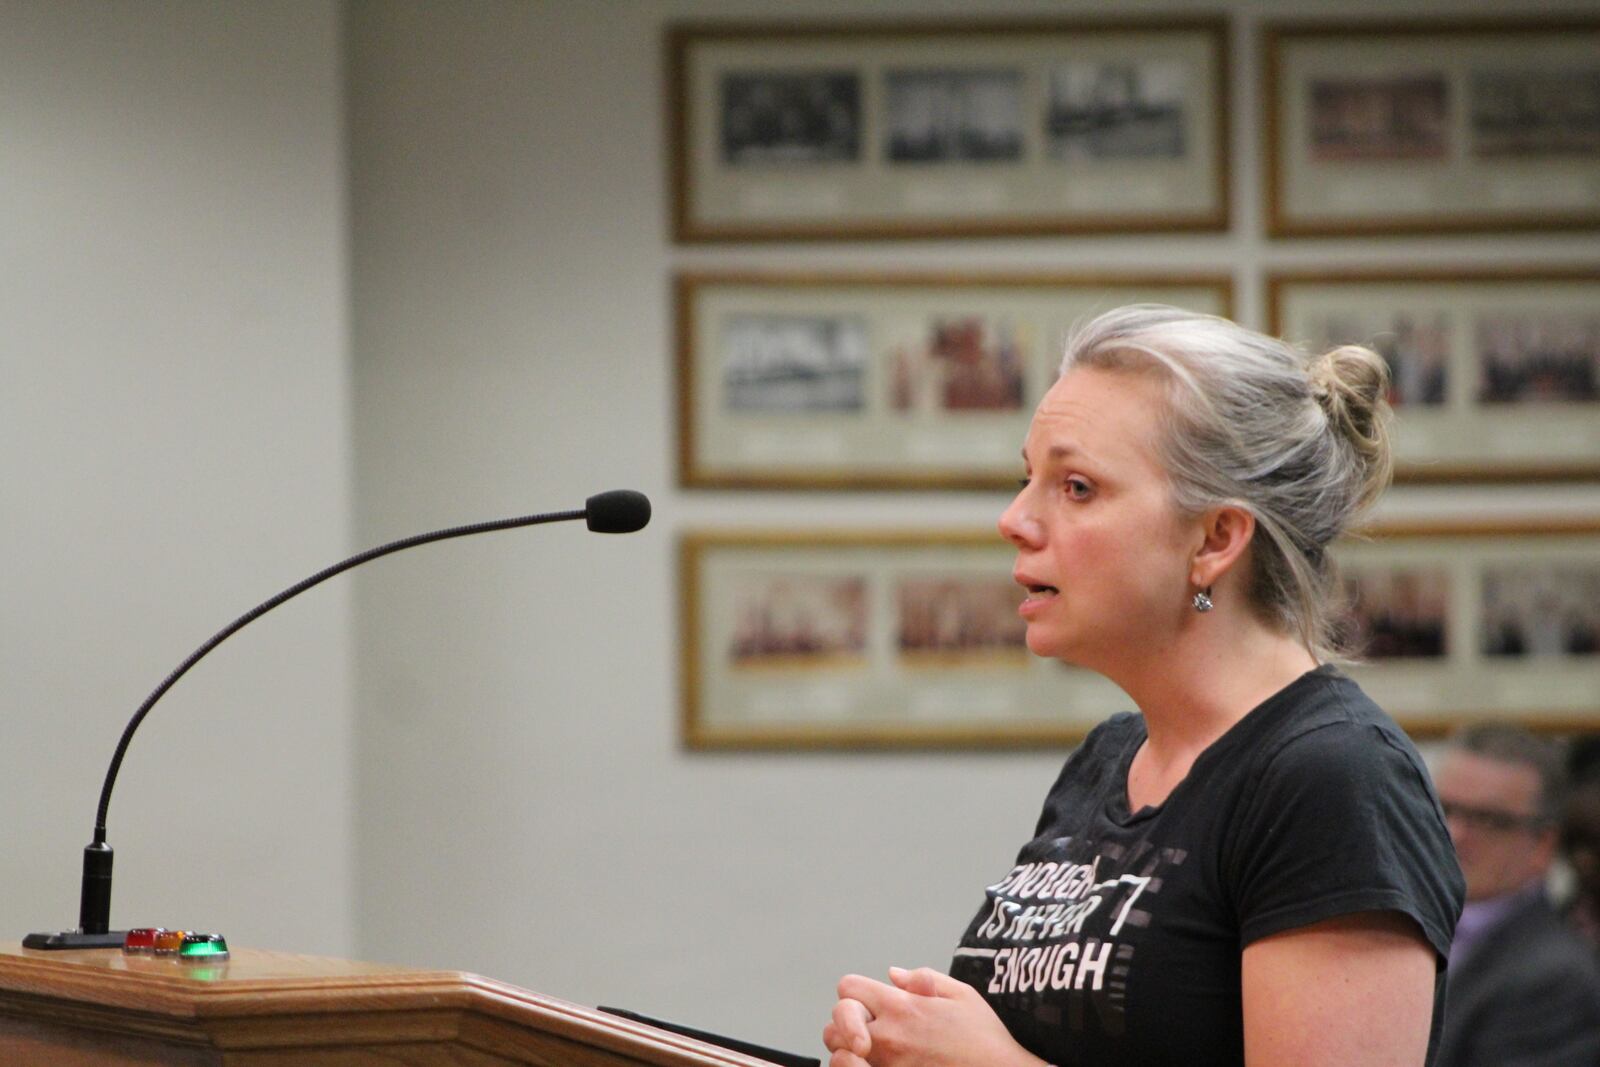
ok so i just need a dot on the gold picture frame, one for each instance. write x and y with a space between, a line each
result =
910 380
1496 373
949 129
1444 126
832 639
1537 577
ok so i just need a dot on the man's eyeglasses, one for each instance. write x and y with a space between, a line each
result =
1500 822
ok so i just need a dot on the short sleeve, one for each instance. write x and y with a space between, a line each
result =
1343 820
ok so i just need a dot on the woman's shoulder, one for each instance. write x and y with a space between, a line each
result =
1326 713
1356 759
1329 737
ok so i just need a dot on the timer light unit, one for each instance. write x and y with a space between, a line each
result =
185 945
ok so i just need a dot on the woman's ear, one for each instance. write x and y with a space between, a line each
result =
1226 532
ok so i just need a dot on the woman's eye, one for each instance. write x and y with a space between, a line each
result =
1022 483
1077 488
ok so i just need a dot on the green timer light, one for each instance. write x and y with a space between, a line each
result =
203 947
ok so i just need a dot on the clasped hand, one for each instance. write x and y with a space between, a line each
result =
924 1018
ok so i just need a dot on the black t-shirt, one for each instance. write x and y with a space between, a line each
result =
1116 938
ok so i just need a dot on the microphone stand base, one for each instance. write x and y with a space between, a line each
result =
75 939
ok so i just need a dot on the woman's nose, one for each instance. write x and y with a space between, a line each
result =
1017 526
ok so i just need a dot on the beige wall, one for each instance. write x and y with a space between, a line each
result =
174 448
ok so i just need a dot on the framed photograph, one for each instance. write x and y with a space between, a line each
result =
951 129
1382 128
880 381
834 639
831 639
1495 376
1479 620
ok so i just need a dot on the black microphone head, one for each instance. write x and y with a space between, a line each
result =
617 511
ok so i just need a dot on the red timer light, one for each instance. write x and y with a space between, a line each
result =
141 941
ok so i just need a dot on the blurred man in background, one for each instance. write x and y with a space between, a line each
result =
1522 988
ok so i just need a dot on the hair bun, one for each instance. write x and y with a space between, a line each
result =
1351 383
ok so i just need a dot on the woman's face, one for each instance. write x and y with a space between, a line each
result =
1101 551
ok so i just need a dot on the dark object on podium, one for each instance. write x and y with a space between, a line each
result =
733 1044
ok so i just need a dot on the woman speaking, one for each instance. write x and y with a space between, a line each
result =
1252 868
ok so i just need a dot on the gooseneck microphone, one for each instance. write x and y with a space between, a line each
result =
614 512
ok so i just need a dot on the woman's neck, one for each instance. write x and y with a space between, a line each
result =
1197 695
1205 684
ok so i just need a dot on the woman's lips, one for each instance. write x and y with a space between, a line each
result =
1037 595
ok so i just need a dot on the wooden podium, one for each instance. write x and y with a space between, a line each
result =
271 1009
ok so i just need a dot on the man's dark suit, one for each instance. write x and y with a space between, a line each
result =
1526 995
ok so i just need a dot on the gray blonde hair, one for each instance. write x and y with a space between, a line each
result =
1301 443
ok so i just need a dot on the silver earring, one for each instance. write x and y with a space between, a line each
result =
1202 600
